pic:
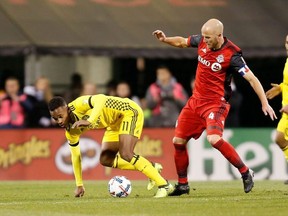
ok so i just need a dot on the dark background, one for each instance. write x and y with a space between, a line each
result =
122 30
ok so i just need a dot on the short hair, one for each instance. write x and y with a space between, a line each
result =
163 66
12 78
56 102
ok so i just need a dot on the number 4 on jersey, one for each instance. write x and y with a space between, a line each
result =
211 115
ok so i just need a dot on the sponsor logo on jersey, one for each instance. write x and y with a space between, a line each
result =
216 66
203 61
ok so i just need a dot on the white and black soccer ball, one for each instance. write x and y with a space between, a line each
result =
119 186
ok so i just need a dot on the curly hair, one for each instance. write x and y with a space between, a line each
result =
56 102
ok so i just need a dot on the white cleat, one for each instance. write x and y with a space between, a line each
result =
164 191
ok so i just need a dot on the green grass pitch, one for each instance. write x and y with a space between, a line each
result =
56 198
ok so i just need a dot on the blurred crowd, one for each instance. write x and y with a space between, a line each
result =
26 107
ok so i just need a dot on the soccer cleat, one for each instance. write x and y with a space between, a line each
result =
180 189
151 183
248 180
164 191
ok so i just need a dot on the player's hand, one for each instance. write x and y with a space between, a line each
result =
274 91
269 110
159 34
79 191
284 109
81 123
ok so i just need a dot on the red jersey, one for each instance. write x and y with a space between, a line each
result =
215 68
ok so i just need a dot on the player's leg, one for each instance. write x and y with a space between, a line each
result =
281 137
151 183
215 119
189 124
110 156
229 152
129 133
126 150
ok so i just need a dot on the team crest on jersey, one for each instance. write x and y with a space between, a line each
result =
216 67
220 58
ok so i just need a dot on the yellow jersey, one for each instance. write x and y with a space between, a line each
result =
104 111
284 85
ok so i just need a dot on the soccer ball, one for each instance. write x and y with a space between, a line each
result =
119 186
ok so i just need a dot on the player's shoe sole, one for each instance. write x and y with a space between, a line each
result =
248 182
164 191
180 189
151 183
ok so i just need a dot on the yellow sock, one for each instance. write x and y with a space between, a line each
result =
285 151
146 167
122 164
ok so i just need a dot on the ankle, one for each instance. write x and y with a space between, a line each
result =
183 180
184 184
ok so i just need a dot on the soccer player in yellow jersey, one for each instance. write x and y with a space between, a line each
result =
282 128
123 120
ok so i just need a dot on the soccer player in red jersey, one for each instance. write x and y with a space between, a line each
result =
208 107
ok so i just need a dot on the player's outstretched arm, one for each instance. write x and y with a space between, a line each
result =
77 169
176 41
257 87
274 91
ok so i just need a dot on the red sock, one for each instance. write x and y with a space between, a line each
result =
181 161
231 155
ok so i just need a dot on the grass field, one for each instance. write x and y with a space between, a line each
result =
55 198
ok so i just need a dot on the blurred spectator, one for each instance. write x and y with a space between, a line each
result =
142 82
192 84
123 90
165 98
89 89
75 88
111 88
2 93
146 111
41 94
13 105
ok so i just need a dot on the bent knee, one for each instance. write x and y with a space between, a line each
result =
178 140
107 158
281 142
127 156
108 162
213 139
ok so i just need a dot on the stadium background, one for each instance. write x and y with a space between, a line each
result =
102 39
